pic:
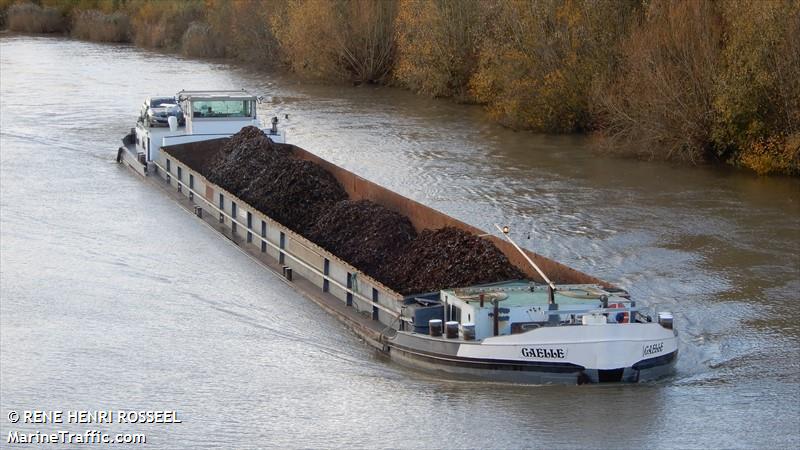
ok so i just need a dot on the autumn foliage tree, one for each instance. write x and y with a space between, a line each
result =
30 17
339 39
757 94
540 59
246 29
99 26
162 24
660 104
438 42
685 80
703 80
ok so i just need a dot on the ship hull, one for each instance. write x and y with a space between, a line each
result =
536 359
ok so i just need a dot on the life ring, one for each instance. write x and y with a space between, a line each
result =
622 317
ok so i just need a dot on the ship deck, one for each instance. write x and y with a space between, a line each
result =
520 294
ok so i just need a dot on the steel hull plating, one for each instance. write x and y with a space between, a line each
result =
534 360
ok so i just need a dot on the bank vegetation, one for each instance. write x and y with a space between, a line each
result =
682 80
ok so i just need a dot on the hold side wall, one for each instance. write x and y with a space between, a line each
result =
421 216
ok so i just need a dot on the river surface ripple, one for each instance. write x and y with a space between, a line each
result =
113 298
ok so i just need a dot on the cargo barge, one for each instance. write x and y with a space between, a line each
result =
557 325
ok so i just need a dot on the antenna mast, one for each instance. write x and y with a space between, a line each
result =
551 285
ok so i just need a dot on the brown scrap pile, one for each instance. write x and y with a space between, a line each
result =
293 192
447 258
382 243
243 158
263 174
367 235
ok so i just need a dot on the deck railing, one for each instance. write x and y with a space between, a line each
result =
397 315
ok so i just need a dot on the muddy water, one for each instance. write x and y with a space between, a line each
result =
112 298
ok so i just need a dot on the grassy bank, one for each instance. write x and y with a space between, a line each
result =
683 80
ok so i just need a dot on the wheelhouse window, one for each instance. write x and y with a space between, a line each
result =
222 108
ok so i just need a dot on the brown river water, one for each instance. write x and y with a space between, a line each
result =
112 297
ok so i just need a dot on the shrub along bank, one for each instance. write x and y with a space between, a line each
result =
684 80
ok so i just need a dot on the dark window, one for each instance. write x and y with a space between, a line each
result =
233 214
326 269
375 300
349 286
455 313
281 256
191 181
222 108
221 202
263 235
249 226
169 169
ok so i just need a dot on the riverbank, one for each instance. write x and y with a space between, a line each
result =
692 82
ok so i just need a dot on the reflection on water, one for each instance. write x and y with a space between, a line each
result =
114 298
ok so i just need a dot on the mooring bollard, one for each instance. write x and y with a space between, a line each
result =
198 211
435 327
287 272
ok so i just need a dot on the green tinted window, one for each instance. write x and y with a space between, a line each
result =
222 108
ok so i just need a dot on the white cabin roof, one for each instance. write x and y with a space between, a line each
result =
216 95
524 294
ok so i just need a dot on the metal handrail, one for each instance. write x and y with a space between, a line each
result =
396 314
558 312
